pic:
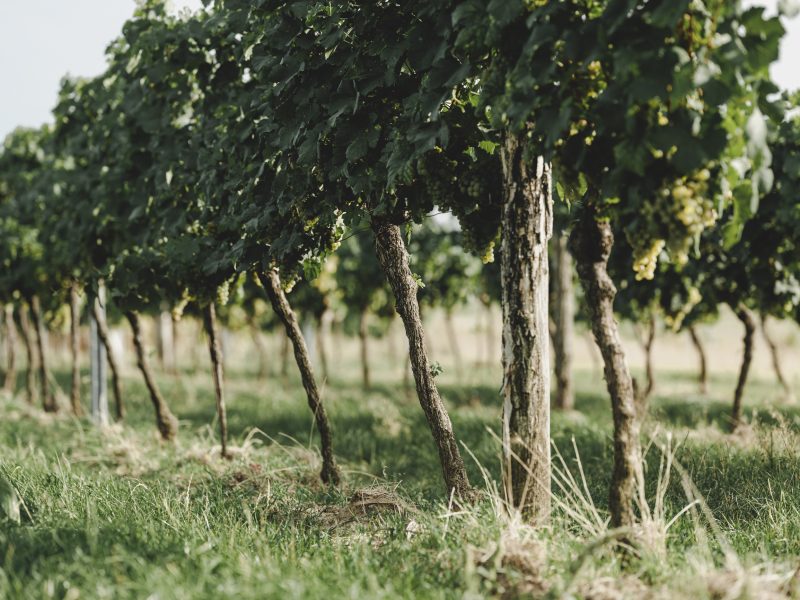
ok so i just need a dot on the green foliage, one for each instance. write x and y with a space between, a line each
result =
638 99
361 283
438 257
251 135
760 269
28 269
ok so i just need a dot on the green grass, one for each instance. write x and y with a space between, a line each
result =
118 514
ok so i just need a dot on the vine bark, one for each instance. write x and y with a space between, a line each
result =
702 375
165 421
217 370
527 226
272 284
746 317
393 258
591 242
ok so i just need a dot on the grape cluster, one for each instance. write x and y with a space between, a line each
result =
645 259
472 186
691 209
479 236
479 206
224 293
681 212
690 202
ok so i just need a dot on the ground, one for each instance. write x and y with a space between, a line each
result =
115 513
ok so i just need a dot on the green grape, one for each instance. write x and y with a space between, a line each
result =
646 259
224 293
488 255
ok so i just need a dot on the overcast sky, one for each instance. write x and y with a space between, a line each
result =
43 40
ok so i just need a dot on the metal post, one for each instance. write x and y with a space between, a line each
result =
99 364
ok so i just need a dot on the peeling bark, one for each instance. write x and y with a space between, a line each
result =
165 421
272 284
527 226
393 257
746 317
217 366
591 243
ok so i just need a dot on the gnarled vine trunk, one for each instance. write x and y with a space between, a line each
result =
702 375
788 394
217 369
591 243
165 421
75 343
111 357
49 403
393 258
10 383
272 284
563 311
527 226
746 317
363 339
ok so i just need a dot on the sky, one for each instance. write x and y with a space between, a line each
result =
43 40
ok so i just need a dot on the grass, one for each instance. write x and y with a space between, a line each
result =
115 513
